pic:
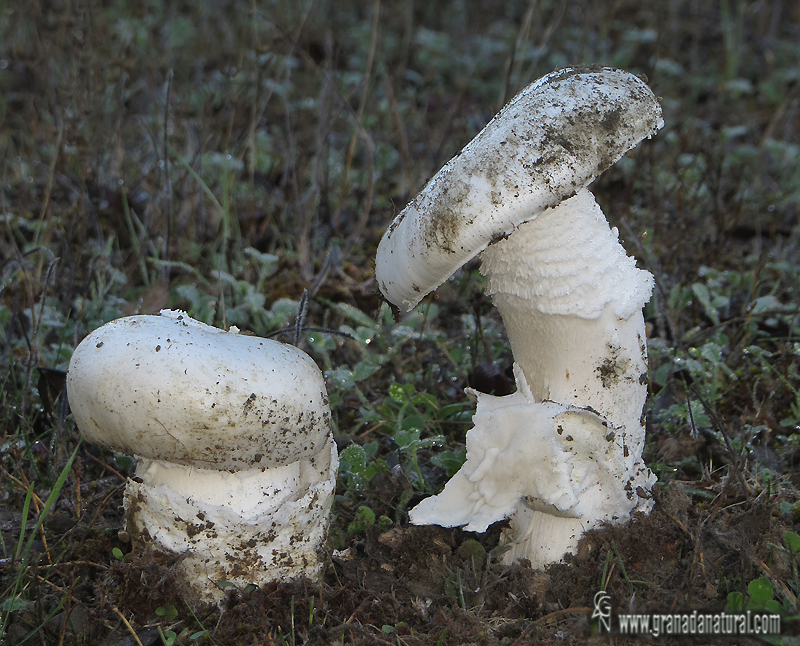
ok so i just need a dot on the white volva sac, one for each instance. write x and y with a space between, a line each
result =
237 463
563 453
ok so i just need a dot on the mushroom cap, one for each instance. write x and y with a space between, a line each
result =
548 143
171 388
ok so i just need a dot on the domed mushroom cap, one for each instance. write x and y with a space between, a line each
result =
549 142
171 388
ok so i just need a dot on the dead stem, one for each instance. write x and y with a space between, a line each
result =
167 185
127 625
345 187
548 617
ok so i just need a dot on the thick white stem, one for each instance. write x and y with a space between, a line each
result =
571 300
540 537
563 453
245 527
597 363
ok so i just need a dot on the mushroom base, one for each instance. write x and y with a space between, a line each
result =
248 527
554 470
541 537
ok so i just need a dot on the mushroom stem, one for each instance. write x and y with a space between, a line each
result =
231 526
571 301
540 537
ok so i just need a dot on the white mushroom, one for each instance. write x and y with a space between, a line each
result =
563 453
237 463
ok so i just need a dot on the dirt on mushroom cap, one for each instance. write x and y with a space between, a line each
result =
550 141
174 389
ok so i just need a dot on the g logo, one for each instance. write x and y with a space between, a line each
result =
602 611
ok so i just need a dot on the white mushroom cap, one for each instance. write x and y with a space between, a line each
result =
171 388
548 143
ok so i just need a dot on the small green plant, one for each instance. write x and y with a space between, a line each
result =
364 518
23 549
407 414
410 413
760 593
450 461
472 551
355 471
791 541
759 597
169 614
168 637
409 442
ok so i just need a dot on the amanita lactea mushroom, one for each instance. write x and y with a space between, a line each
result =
237 463
563 453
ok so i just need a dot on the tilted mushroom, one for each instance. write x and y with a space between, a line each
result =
237 463
563 453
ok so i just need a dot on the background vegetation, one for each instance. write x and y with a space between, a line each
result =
222 157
